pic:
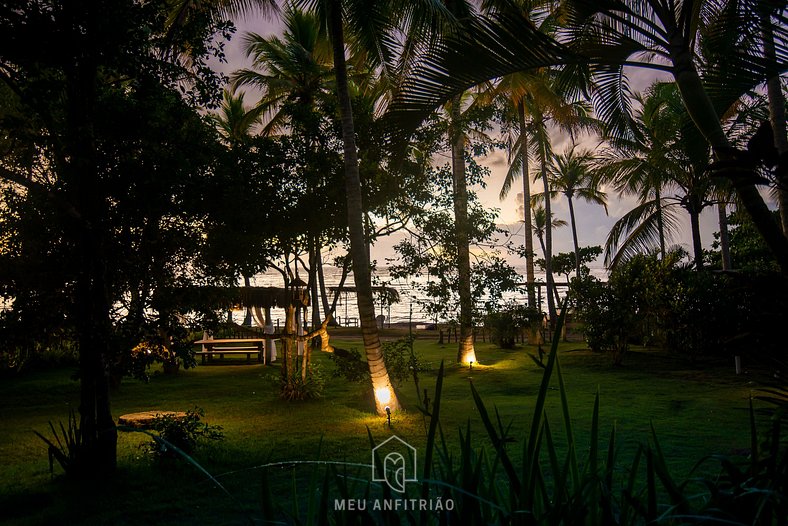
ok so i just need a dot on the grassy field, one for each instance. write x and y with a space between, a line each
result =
696 410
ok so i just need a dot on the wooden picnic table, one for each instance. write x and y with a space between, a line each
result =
222 346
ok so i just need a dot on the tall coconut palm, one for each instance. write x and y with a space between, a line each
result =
370 24
570 174
639 33
293 72
385 396
235 122
676 34
526 95
465 353
518 146
540 227
537 103
664 157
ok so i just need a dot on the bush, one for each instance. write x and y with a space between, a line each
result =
38 357
401 362
506 324
349 365
659 302
307 387
184 433
628 308
68 447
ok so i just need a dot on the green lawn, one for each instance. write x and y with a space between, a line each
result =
696 411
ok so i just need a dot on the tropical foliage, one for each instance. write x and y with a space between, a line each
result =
129 178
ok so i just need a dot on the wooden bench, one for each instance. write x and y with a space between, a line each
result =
230 346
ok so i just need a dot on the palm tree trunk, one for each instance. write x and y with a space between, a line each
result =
322 282
574 235
551 291
384 391
705 117
548 239
776 98
314 250
660 223
697 248
465 352
725 243
529 238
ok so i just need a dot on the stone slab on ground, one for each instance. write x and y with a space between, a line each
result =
144 419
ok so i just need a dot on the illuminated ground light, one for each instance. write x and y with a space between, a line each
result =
469 357
383 395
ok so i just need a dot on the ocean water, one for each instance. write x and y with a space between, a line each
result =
408 309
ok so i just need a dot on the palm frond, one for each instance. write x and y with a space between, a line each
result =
488 47
514 172
638 231
182 10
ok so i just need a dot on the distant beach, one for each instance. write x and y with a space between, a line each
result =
407 310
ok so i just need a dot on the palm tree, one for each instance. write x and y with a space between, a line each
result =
640 33
519 167
776 96
636 166
293 72
541 229
373 22
663 155
235 122
527 97
465 352
570 174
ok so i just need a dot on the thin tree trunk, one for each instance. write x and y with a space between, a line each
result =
314 249
322 282
465 352
574 235
529 239
97 427
248 315
660 223
697 248
551 291
776 98
725 244
385 395
548 239
704 116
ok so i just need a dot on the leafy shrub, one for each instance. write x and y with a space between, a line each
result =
401 361
184 433
701 314
630 307
507 323
307 387
349 364
608 319
68 447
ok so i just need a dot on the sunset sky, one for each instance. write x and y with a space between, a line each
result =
593 224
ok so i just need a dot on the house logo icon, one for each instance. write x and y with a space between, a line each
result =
394 462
